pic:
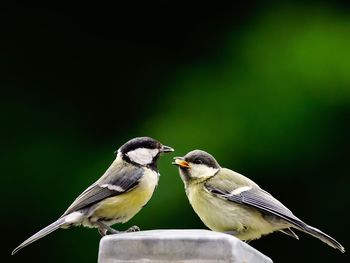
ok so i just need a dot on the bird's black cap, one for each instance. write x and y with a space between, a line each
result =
140 142
201 157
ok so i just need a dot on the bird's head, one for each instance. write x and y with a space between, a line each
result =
196 165
143 151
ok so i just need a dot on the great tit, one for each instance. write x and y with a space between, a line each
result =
118 195
229 202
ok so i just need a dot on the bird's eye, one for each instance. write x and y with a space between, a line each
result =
198 161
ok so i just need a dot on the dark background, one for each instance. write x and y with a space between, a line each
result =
263 87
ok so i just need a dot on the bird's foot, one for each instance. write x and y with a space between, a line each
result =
102 231
133 229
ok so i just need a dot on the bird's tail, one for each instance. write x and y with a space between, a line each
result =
43 232
322 236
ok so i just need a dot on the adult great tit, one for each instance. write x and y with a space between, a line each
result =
118 195
229 202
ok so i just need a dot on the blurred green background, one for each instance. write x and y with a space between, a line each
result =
263 87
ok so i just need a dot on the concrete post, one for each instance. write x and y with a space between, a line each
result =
188 246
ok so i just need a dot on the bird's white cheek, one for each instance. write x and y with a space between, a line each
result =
202 171
142 156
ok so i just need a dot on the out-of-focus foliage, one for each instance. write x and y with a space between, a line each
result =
271 102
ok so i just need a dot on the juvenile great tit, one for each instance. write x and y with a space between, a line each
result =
118 195
229 202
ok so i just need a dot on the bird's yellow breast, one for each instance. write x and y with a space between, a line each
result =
124 206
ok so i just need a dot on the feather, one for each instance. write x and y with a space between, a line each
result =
113 182
45 231
256 197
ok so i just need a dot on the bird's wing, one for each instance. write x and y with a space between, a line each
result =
114 182
251 195
235 188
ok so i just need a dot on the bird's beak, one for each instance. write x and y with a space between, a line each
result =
179 161
166 149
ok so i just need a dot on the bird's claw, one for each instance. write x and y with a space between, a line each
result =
133 229
102 231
